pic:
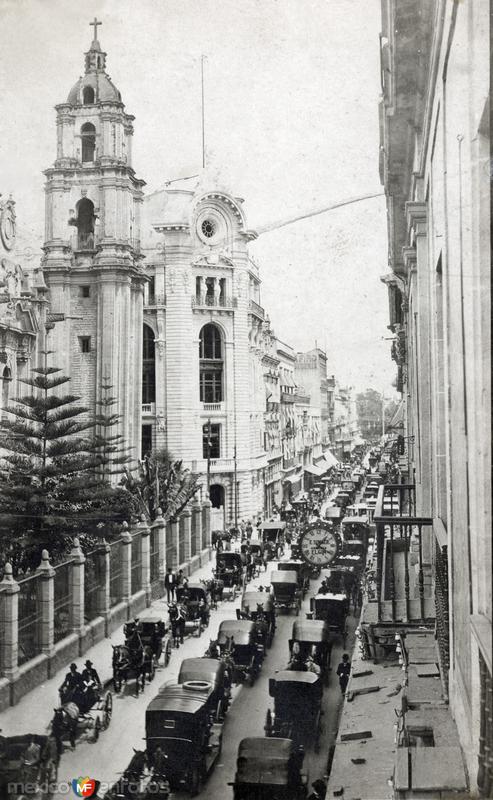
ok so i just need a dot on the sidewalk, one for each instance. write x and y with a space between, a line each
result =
363 762
35 710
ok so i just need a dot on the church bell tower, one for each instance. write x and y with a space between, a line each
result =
92 261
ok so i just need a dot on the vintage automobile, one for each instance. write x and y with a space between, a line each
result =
333 514
342 499
230 569
259 607
302 571
209 670
269 769
287 594
272 534
240 645
179 727
28 759
297 707
314 643
333 609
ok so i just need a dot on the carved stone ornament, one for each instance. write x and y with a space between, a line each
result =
7 223
186 282
239 284
171 280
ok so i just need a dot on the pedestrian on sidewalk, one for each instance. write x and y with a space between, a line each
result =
319 790
343 672
170 585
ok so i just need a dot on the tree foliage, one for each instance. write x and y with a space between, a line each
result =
369 410
51 485
161 482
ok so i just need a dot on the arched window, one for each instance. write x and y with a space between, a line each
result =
211 365
88 134
88 95
85 224
6 381
148 367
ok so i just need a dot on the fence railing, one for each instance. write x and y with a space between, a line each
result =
116 573
63 601
94 579
136 571
28 626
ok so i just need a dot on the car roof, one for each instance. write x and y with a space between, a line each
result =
272 526
295 676
201 669
284 576
263 598
240 630
310 630
264 760
177 698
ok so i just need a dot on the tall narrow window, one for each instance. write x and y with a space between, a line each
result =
211 440
211 365
146 445
88 95
88 134
85 224
148 367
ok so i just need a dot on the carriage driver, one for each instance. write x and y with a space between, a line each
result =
73 681
91 677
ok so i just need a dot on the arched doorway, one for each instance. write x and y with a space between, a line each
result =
217 496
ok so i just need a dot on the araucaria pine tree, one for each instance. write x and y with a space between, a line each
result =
109 444
50 490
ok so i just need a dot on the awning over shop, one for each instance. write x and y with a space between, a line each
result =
330 459
313 470
357 442
292 478
397 420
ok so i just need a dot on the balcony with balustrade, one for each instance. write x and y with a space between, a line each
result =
256 310
211 301
155 301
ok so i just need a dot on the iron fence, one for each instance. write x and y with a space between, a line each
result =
154 555
3 611
136 581
94 581
442 609
181 541
63 601
170 547
195 529
116 572
28 626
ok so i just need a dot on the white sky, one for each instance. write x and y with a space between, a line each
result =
292 89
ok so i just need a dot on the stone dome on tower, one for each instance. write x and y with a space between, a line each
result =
95 85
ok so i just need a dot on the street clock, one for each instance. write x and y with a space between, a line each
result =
319 544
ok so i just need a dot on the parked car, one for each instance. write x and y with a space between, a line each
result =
297 707
269 769
285 589
201 671
239 644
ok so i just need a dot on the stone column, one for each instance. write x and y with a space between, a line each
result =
104 593
77 587
196 527
159 527
46 588
187 533
9 610
174 529
145 552
126 563
206 524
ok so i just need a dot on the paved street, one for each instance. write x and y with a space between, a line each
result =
109 757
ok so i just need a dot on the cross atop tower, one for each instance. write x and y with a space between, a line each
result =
95 24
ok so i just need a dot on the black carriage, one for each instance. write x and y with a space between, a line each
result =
196 604
154 634
240 645
310 645
297 707
30 761
272 534
202 671
257 554
342 499
269 769
259 607
230 569
302 571
285 589
180 732
332 609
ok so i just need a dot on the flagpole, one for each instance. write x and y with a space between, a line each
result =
208 457
203 110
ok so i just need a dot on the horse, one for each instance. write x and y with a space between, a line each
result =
129 663
129 784
177 624
65 721
213 651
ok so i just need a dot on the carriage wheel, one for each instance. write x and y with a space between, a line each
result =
107 711
167 653
97 730
117 683
152 671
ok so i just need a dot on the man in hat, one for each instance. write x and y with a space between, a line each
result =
343 672
319 789
91 685
72 683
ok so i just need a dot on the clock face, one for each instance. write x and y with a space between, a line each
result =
319 544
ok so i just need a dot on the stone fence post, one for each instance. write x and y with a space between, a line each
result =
145 555
46 586
186 516
159 529
104 593
126 540
9 616
77 588
174 532
196 528
206 524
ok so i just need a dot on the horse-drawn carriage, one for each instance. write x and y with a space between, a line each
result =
272 534
287 594
154 634
230 569
239 644
269 769
297 707
310 647
134 660
196 607
259 607
28 767
202 671
332 609
255 549
180 734
302 571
